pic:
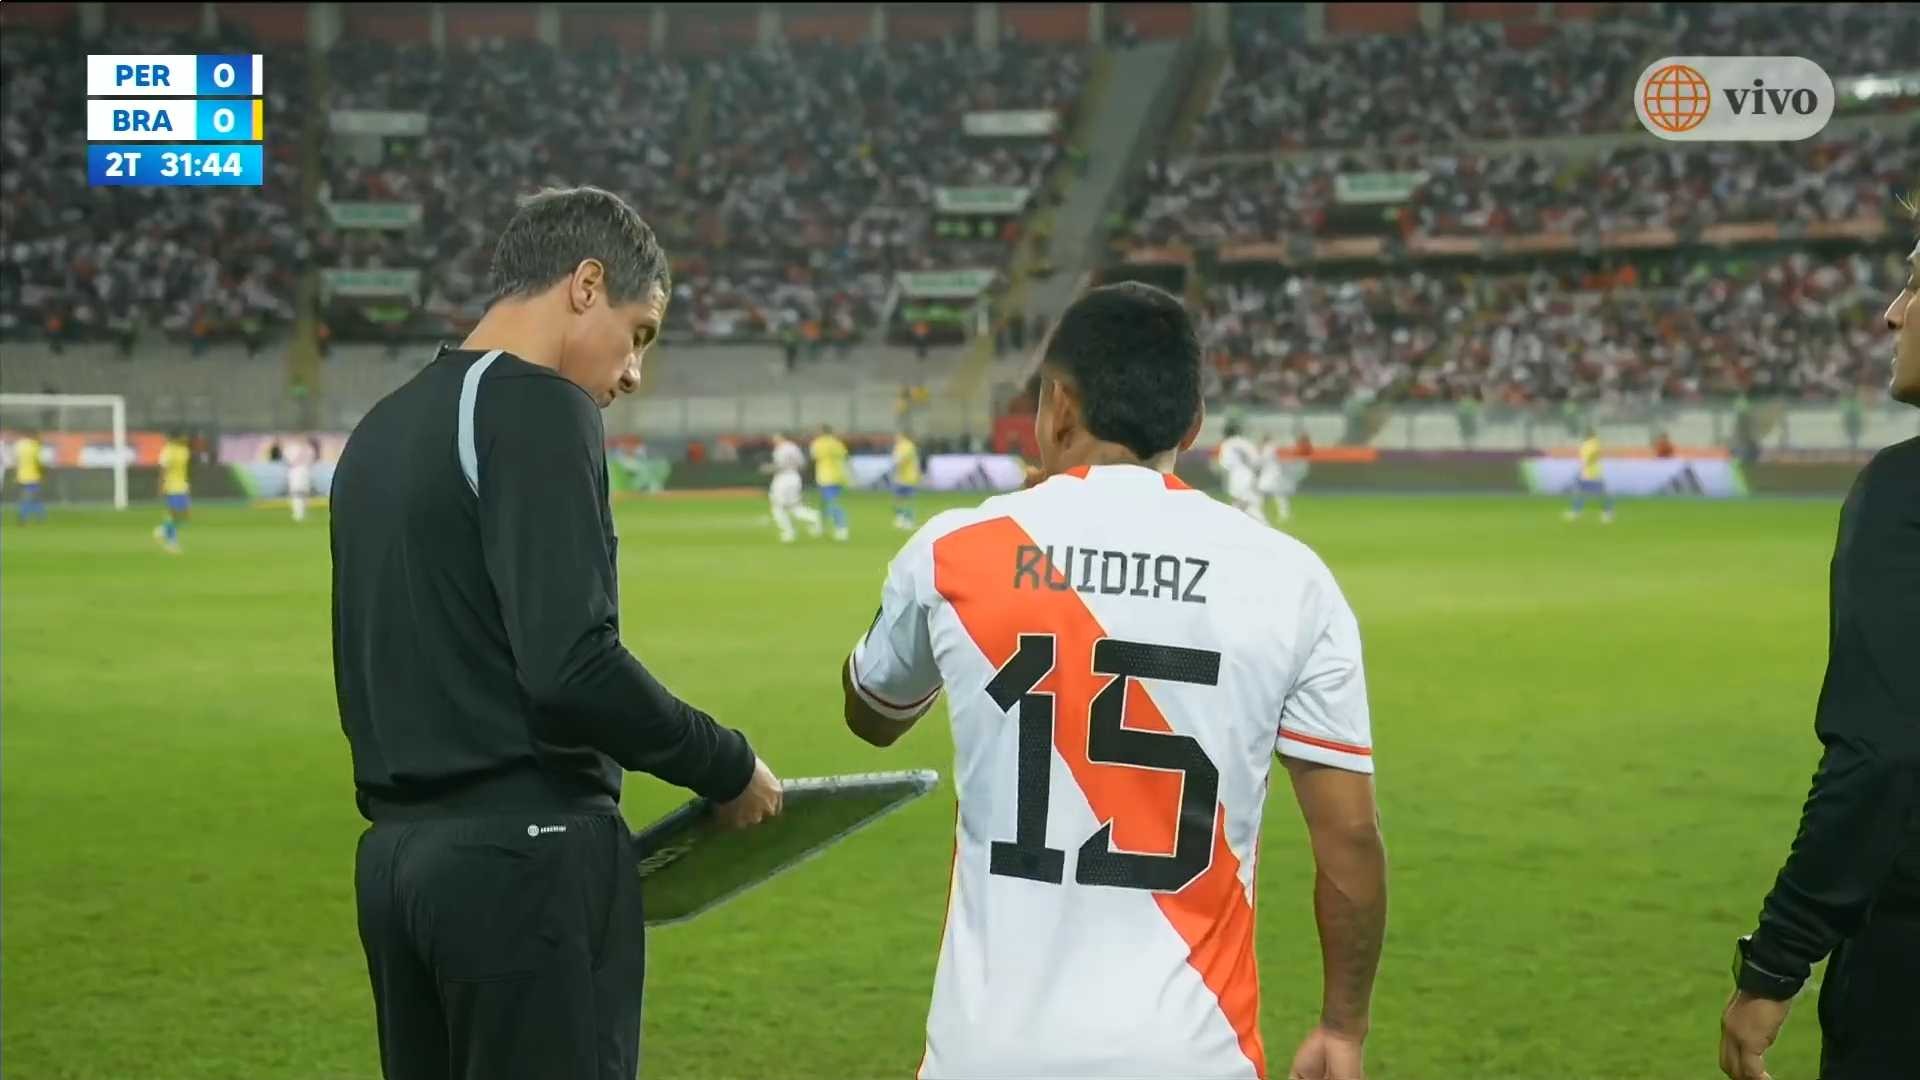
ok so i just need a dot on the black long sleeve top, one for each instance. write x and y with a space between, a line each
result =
1858 848
476 627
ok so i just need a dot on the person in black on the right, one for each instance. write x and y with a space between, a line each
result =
1851 886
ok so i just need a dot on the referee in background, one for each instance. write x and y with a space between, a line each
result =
490 706
1851 886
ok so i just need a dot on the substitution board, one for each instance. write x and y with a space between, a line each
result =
689 864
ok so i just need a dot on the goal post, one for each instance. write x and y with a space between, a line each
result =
92 431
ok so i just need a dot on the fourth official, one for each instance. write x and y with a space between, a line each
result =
1850 889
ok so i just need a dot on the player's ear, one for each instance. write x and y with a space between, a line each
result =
587 284
1062 401
1193 430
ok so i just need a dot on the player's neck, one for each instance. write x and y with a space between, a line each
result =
1093 454
514 326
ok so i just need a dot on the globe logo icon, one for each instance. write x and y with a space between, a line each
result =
1676 99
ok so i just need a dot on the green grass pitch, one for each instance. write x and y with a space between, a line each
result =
1593 746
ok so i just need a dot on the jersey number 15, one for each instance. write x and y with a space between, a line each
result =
1109 742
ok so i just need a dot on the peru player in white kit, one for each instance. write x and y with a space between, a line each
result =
300 455
1277 479
1239 462
783 495
1123 658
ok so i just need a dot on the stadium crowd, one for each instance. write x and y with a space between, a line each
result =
79 262
789 186
1491 81
1465 194
793 201
1672 328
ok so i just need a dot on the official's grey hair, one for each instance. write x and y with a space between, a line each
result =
555 229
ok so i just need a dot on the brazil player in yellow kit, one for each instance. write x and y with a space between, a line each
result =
1592 481
906 479
830 472
174 488
26 472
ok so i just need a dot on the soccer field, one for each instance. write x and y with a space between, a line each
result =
1593 744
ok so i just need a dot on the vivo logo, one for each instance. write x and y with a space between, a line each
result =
1733 98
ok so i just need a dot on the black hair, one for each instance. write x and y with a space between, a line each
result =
1133 354
558 228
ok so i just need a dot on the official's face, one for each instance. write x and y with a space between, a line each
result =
609 341
1903 318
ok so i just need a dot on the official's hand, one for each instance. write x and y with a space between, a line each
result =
1328 1055
759 802
1748 1027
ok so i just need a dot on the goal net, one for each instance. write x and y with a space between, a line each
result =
84 454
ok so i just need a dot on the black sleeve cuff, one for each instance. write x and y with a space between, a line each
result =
1769 959
731 769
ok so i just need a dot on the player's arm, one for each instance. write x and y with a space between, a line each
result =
1349 888
890 680
541 470
1327 744
1867 788
868 721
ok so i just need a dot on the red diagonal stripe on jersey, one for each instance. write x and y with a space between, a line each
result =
1211 914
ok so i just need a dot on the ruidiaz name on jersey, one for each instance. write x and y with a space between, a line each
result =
1034 567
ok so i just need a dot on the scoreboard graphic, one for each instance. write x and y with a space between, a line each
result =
175 121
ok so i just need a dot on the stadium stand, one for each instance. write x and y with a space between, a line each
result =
1434 88
1677 328
792 182
814 188
1837 178
489 138
201 265
1538 250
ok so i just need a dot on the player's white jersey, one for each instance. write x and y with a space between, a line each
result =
1239 454
299 459
788 457
1274 477
788 460
1123 656
1240 462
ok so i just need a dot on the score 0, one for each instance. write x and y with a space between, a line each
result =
176 75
